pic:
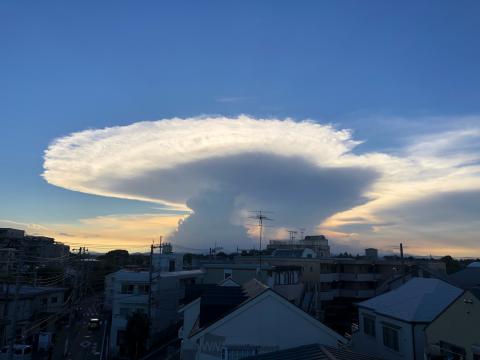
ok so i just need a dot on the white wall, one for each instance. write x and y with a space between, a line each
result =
367 344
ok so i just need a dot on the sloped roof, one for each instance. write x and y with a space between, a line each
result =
253 288
228 282
260 293
466 278
475 264
418 300
312 352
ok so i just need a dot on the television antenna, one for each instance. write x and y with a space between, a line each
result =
302 232
292 234
261 217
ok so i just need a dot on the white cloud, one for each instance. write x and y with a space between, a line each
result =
173 161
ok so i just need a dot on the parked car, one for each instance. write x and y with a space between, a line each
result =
94 324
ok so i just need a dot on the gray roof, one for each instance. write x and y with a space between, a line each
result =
466 278
418 300
312 352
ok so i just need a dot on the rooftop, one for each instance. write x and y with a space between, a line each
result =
237 266
466 278
312 352
418 300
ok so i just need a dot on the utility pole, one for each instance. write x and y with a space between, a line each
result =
7 294
402 263
150 280
15 301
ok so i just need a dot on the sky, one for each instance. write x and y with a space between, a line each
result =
123 121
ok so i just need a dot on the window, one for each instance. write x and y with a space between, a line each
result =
171 265
127 288
143 289
390 338
54 300
451 349
238 352
369 325
44 301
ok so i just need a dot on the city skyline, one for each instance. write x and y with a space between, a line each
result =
358 122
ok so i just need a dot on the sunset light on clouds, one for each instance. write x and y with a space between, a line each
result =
122 123
175 161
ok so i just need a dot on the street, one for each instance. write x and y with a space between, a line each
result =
82 342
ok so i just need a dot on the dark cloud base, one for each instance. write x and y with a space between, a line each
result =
300 193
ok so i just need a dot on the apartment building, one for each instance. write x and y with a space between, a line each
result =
129 291
334 284
33 311
285 280
317 243
33 246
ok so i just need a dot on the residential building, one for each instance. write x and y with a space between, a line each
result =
317 243
392 325
333 285
313 352
33 310
371 253
240 273
129 291
234 322
294 253
454 333
286 280
35 247
467 278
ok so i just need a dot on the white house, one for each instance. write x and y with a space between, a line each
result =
263 322
392 325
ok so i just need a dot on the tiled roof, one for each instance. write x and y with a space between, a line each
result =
312 352
418 300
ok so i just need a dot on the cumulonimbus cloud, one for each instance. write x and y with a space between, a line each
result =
219 167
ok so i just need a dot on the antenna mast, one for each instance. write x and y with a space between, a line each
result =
292 234
261 217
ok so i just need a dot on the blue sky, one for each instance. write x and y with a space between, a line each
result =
387 70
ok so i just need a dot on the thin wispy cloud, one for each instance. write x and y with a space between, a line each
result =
231 99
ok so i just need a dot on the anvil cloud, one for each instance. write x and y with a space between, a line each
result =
309 174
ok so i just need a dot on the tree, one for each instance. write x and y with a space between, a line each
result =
137 335
452 265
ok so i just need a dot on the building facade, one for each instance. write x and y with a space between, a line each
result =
454 333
